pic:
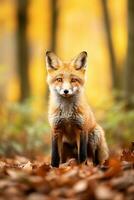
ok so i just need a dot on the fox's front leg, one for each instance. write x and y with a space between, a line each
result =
82 146
56 150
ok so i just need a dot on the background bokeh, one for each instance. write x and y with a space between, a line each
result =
28 28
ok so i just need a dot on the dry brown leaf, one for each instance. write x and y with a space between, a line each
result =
80 186
114 168
28 167
42 170
103 192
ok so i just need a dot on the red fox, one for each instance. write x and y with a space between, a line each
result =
74 128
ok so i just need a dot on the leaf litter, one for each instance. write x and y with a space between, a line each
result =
22 178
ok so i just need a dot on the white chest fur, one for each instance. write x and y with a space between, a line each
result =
66 114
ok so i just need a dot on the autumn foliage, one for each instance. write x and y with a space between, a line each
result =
28 28
22 178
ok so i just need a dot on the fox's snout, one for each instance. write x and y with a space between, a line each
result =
66 91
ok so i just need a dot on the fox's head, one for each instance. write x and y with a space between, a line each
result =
66 79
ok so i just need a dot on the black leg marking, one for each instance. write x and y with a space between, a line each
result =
83 148
95 157
55 158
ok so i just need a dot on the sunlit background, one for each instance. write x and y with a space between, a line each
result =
27 30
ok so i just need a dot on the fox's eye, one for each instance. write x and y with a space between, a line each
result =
73 80
59 79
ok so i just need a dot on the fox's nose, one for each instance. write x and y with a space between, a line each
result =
66 91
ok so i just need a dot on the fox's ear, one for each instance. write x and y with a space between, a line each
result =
80 61
52 61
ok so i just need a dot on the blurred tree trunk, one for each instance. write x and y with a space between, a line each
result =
110 44
54 17
54 23
23 52
129 67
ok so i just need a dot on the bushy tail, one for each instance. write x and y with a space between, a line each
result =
97 146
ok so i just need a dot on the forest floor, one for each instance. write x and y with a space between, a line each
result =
22 178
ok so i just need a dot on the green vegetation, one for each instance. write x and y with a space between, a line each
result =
22 130
25 131
118 124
